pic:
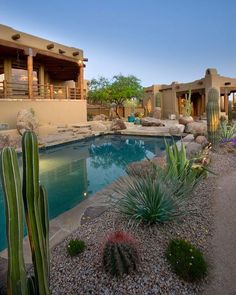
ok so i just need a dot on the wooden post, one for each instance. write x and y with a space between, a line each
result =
30 73
203 108
51 91
226 102
81 79
5 88
67 92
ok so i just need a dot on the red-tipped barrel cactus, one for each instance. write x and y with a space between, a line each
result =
120 254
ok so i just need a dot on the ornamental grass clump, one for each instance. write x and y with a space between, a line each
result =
186 260
120 253
75 247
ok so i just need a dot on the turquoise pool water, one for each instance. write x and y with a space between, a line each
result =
74 171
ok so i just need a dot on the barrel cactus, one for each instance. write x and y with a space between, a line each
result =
34 198
120 254
213 117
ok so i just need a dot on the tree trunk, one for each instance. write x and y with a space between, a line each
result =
117 111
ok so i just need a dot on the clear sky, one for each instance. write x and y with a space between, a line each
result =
159 41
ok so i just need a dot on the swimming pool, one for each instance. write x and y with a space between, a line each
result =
74 171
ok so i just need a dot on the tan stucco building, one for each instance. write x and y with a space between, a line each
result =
172 96
42 74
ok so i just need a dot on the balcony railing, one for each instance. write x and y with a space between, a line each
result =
19 90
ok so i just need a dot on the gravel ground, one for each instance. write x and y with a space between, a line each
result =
84 274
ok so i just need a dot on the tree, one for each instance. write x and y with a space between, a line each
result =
99 90
125 88
118 90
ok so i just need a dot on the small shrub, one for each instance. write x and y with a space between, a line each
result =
120 254
186 261
75 247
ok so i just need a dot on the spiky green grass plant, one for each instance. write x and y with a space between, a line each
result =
161 196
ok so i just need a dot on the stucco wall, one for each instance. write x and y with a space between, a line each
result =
53 112
167 103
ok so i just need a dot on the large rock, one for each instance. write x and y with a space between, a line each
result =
26 120
118 124
196 128
193 149
101 117
202 140
177 129
149 121
4 141
157 113
185 120
98 127
188 138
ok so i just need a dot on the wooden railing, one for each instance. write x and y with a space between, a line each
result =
19 90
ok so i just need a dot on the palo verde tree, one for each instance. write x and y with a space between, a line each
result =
118 90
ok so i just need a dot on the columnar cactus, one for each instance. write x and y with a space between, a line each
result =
10 174
213 117
158 99
36 212
230 114
120 255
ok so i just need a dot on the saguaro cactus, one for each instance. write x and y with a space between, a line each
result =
230 114
36 212
213 117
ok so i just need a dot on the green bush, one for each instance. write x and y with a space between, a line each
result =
120 254
75 247
186 261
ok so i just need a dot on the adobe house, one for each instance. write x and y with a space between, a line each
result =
173 96
43 75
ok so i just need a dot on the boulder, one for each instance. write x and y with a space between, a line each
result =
202 140
149 121
118 124
196 128
188 138
177 129
98 127
157 113
26 120
4 140
100 117
185 120
193 149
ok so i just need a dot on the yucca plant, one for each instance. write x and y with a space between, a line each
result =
178 164
153 200
227 131
162 196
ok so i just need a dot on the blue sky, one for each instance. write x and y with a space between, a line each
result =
159 41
